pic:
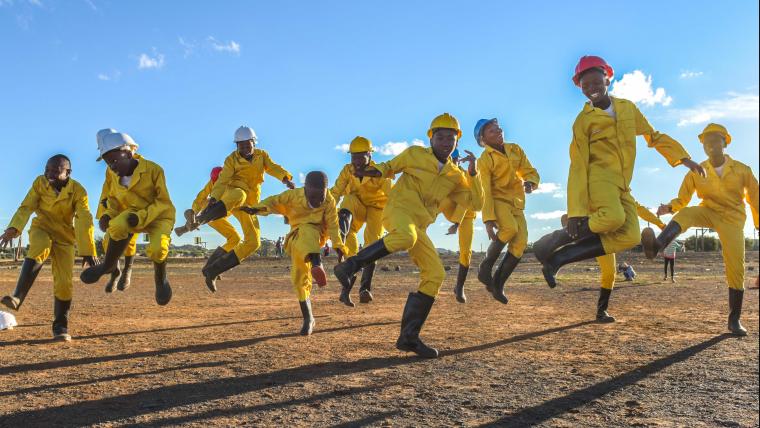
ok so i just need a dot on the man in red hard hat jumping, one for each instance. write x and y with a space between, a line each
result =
601 212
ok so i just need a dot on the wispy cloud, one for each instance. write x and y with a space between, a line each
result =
189 47
230 47
391 148
733 106
147 62
637 87
554 189
551 215
37 3
690 74
302 178
108 77
650 169
343 147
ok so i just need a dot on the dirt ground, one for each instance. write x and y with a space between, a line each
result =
235 358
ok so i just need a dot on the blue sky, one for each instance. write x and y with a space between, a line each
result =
309 76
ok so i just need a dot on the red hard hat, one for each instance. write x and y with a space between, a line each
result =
588 62
215 171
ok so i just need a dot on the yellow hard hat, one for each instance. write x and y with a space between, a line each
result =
445 121
360 145
714 127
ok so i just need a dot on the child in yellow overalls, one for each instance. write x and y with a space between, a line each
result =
221 225
239 184
313 218
362 205
723 192
507 176
602 214
121 277
462 218
138 202
428 176
62 224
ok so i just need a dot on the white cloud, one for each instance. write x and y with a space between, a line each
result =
302 178
733 106
189 47
478 228
107 77
650 169
146 62
37 3
231 46
547 215
555 189
637 87
690 74
343 147
393 148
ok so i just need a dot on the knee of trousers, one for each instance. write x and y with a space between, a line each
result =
400 240
233 198
246 248
158 249
431 279
607 220
607 279
231 243
465 257
118 228
63 289
132 246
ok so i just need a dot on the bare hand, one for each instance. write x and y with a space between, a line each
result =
103 222
694 167
453 229
491 230
664 209
133 220
529 187
470 159
7 236
250 210
90 261
287 182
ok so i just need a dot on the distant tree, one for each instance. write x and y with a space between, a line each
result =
708 243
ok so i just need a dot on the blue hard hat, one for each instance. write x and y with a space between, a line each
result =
455 154
479 128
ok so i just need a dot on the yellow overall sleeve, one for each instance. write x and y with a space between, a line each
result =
274 169
684 193
228 171
103 195
577 179
333 229
525 169
669 148
200 200
84 230
25 210
751 195
341 183
161 202
649 216
484 167
276 204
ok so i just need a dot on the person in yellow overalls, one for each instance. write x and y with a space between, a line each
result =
463 224
313 218
221 225
62 224
723 192
121 277
239 184
607 269
362 205
138 202
507 176
602 213
428 176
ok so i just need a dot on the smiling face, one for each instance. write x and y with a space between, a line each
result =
594 85
493 135
443 142
57 171
119 161
714 145
360 160
245 148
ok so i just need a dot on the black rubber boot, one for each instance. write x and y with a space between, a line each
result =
346 271
218 252
459 287
61 322
221 265
486 266
583 249
115 275
212 212
416 311
344 222
602 304
506 267
115 249
29 271
652 245
365 288
126 274
308 318
548 244
735 298
163 289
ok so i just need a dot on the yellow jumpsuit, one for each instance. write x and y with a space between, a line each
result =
221 225
148 198
414 203
239 184
62 221
309 230
721 209
110 177
503 175
608 262
602 156
365 198
465 218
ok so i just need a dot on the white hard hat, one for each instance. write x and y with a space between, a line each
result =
245 133
117 140
7 321
102 133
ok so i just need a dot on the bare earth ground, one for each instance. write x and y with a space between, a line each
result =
235 358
